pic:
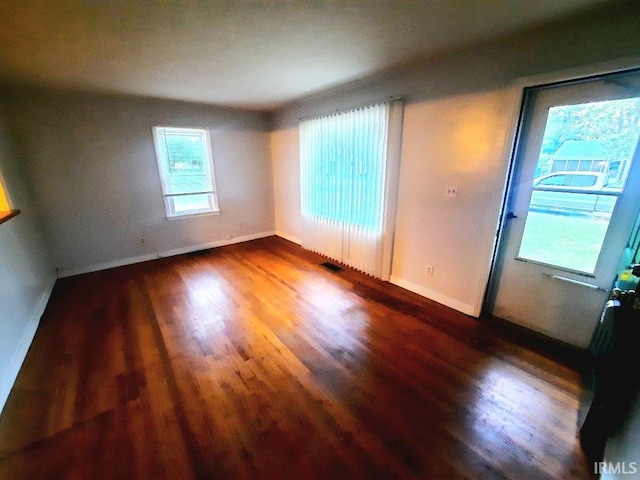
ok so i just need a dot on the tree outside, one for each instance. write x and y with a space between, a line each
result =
185 153
615 124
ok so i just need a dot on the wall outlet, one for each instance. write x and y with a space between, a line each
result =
142 241
451 191
429 270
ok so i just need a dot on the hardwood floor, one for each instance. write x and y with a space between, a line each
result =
253 361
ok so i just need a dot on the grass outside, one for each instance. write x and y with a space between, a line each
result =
567 241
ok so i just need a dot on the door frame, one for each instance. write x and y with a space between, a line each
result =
512 144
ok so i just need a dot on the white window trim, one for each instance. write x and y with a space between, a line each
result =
168 196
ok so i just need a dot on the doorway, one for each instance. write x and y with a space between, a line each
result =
571 207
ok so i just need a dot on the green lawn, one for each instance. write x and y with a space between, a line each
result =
567 241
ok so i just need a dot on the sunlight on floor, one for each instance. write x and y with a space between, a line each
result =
329 303
209 296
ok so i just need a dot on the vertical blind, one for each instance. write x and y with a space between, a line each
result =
349 164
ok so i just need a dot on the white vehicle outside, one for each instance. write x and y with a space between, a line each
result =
568 181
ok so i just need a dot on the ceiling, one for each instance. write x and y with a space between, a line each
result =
257 54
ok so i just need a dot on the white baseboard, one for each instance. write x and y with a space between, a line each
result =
167 253
291 238
435 296
20 353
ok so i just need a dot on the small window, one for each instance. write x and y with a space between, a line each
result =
185 164
572 165
583 180
555 180
584 166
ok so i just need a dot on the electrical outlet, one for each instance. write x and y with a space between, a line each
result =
429 270
451 191
142 241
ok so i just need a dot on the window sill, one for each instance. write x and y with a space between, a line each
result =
193 215
8 214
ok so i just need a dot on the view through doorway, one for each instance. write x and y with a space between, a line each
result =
572 205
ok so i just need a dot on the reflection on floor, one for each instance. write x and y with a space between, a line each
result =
254 361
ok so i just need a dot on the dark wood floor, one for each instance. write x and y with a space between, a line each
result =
253 361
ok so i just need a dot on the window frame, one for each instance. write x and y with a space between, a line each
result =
159 131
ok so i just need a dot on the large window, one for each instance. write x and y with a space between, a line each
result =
349 165
185 164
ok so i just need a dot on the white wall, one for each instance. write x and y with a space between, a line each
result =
455 141
458 124
26 274
285 153
91 163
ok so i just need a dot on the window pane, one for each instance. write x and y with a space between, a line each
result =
564 228
185 154
186 163
583 180
347 168
189 204
553 180
572 165
188 184
568 241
